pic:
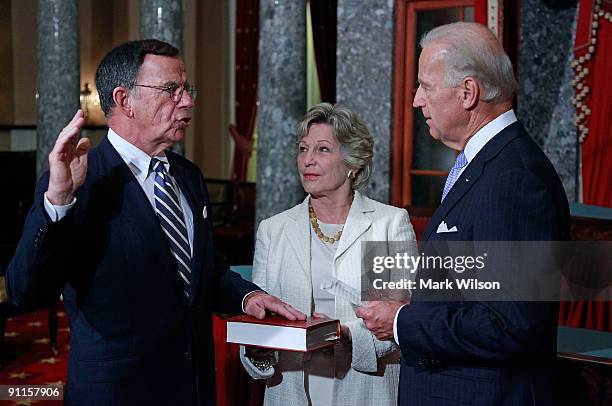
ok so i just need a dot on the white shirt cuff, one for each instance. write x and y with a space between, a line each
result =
56 213
395 337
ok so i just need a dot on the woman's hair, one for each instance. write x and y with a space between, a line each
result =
356 143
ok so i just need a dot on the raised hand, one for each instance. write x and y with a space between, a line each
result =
68 162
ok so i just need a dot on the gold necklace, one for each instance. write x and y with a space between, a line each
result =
315 226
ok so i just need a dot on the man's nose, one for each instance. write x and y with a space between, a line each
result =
418 101
186 100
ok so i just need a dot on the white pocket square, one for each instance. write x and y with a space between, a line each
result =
204 212
443 228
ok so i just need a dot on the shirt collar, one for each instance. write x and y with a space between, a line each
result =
484 135
136 159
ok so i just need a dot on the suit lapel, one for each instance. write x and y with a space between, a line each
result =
462 186
356 224
298 232
298 235
138 210
471 174
118 181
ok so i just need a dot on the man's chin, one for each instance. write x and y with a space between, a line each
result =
178 135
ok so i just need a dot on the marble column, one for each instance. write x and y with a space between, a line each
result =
363 78
58 73
282 103
163 20
545 92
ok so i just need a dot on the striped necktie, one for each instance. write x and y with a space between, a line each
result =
168 210
453 175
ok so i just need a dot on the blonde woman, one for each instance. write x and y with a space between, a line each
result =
320 238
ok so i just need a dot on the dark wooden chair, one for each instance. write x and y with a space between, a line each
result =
236 236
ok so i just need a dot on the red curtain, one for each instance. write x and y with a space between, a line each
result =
597 146
593 67
324 27
247 54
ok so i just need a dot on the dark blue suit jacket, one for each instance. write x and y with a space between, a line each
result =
488 353
135 338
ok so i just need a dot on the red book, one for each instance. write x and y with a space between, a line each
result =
282 334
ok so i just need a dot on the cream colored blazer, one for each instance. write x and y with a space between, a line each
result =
367 373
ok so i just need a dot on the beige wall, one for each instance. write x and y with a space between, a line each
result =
211 139
104 24
18 71
23 13
189 57
6 63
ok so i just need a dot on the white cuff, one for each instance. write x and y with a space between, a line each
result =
395 337
56 213
254 371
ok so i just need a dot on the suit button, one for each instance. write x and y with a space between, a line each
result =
188 356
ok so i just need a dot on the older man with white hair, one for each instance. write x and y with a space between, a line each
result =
501 188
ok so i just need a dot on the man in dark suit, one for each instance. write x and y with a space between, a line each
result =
124 231
501 188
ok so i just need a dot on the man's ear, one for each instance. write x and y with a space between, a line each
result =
123 103
470 93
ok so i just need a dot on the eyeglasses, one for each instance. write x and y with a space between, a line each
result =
175 90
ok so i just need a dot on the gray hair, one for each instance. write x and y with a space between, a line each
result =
121 65
471 53
356 143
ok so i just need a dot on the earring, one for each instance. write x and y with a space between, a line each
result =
350 174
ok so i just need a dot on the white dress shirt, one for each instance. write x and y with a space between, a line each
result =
472 148
139 163
319 370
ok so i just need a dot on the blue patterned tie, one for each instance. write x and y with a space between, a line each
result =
168 209
460 162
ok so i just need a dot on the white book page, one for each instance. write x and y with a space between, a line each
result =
262 335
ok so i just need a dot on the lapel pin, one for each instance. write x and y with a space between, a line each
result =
204 212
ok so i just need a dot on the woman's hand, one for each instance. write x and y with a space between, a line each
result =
258 362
